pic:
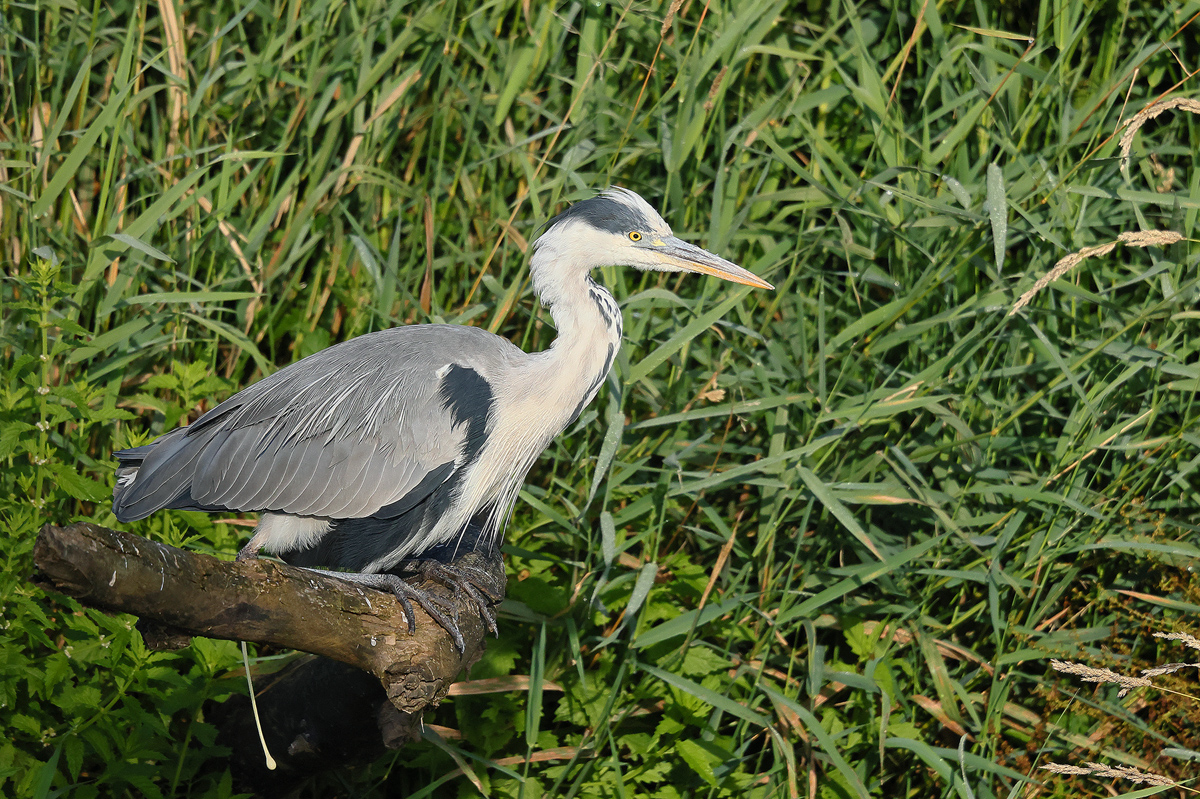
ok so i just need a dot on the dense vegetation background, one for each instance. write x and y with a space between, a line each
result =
820 541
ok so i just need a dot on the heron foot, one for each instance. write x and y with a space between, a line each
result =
473 574
478 582
440 609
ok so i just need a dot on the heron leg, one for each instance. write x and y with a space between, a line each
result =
248 552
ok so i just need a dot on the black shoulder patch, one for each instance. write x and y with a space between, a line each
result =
469 398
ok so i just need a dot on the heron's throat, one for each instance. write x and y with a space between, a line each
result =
589 326
566 377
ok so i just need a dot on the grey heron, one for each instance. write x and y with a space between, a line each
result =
382 448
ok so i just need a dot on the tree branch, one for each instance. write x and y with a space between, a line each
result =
264 602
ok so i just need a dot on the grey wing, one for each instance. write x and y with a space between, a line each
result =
368 427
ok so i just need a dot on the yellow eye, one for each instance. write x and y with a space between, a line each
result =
635 236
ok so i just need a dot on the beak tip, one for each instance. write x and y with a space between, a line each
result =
757 282
690 258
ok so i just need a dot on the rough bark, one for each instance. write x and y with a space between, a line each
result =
179 594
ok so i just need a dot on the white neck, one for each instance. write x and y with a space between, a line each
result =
589 326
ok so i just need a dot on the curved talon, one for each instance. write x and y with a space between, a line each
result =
434 605
470 580
482 605
409 617
465 577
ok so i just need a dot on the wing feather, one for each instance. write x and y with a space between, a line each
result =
280 477
224 476
340 434
160 478
368 482
295 493
338 502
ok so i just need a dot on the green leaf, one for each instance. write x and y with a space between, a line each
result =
82 147
11 435
698 758
825 742
997 210
172 297
79 486
642 369
518 76
685 622
641 589
46 775
706 695
860 576
835 506
142 246
608 448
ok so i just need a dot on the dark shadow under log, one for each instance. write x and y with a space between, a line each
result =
317 714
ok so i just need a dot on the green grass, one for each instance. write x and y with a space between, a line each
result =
826 537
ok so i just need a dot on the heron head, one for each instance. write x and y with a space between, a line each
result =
619 228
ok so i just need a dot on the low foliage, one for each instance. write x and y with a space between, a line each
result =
824 539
